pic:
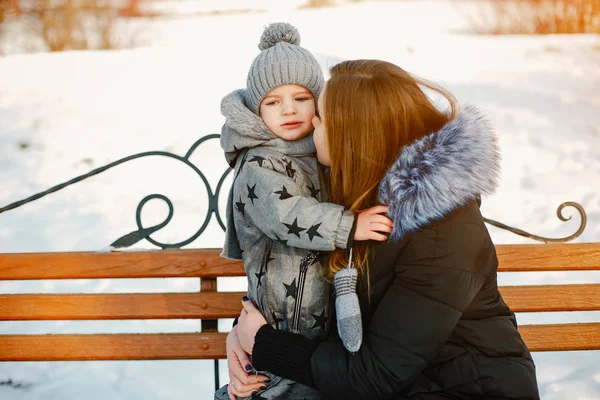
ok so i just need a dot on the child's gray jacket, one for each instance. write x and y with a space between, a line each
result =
274 219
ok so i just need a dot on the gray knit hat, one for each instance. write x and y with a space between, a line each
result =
281 62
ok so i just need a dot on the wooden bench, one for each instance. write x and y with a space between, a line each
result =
209 305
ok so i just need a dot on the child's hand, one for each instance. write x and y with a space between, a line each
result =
371 223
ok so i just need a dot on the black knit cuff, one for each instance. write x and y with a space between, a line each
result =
283 354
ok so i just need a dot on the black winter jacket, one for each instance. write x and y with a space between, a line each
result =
435 325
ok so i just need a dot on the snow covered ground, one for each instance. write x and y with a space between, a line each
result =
62 115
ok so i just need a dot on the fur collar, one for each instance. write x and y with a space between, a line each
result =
441 172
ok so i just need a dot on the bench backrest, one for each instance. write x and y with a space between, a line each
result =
209 305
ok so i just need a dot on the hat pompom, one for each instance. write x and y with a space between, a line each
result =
279 32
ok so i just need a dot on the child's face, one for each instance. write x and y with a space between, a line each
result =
287 111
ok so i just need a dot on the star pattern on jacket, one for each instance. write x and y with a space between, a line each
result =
275 319
264 268
314 192
294 229
283 193
313 231
291 172
241 163
268 259
280 240
251 193
259 276
320 320
291 289
258 159
239 205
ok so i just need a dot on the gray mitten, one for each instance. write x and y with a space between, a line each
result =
349 321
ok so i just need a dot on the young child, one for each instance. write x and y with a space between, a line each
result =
275 221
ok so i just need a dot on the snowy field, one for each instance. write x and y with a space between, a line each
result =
64 114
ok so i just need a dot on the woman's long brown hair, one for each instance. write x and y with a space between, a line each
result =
372 109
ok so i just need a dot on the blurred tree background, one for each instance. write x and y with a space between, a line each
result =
57 25
531 16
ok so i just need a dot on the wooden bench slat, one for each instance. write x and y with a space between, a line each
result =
575 297
209 305
209 345
214 305
562 337
160 346
207 262
545 257
203 263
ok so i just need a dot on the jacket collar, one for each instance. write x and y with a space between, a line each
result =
441 172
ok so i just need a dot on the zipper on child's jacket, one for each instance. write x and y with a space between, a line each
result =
304 264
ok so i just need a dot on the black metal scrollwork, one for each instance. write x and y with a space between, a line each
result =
213 204
145 233
559 210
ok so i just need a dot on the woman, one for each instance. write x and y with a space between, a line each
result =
435 325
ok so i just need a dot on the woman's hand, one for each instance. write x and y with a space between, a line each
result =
241 381
371 223
249 323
